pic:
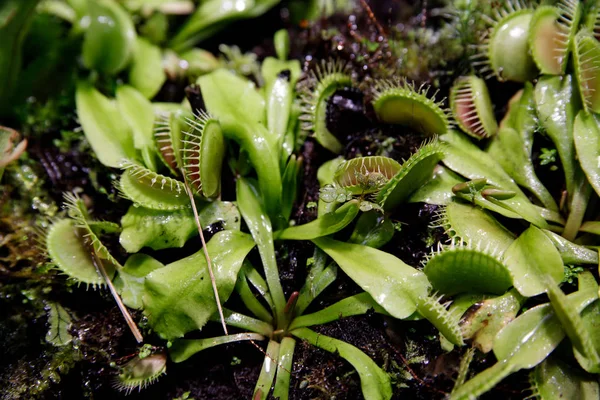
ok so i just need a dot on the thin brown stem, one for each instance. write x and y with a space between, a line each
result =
206 255
128 318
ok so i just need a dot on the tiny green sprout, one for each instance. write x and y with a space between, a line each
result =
551 34
281 41
505 50
315 90
548 157
399 101
141 372
472 108
203 154
586 57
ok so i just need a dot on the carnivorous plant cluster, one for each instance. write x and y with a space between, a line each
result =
497 283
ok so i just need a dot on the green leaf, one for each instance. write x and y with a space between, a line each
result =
413 174
228 96
375 383
532 259
64 242
523 343
182 349
489 317
130 280
393 284
146 73
212 15
290 180
358 304
166 229
59 321
110 38
587 142
372 229
438 190
260 226
179 297
139 114
267 372
104 127
554 379
325 225
570 252
284 366
509 149
557 104
475 226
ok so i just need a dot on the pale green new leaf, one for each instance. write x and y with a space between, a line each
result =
146 73
139 114
179 297
104 127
